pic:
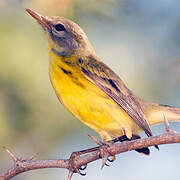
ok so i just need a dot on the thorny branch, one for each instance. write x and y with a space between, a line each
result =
23 165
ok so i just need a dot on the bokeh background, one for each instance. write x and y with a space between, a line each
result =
139 39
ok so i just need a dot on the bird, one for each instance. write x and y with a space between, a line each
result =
91 90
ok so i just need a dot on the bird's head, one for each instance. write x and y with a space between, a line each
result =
64 36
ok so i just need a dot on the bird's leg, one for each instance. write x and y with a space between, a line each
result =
73 158
104 152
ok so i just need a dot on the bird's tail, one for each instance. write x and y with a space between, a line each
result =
155 113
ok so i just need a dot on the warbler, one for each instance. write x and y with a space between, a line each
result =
91 91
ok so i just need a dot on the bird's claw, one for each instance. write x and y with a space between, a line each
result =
111 158
73 166
82 168
105 154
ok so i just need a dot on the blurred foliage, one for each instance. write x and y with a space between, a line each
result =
173 69
25 91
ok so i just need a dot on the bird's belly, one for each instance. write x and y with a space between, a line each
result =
92 106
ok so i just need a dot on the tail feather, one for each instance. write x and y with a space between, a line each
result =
155 113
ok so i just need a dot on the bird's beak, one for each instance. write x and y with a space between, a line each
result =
42 20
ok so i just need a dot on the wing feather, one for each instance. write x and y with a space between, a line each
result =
103 77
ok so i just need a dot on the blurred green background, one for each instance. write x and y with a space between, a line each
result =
139 39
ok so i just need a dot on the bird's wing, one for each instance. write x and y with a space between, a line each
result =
103 77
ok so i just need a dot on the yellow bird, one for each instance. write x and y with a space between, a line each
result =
91 91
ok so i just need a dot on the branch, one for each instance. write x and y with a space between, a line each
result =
21 165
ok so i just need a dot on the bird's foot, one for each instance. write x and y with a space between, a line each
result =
105 154
73 166
103 151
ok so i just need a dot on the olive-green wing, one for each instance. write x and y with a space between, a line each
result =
103 77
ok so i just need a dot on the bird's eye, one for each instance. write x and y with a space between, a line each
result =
59 27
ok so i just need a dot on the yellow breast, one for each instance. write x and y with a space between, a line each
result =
85 100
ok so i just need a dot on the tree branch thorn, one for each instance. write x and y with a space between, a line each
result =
96 140
167 126
70 175
12 155
32 157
